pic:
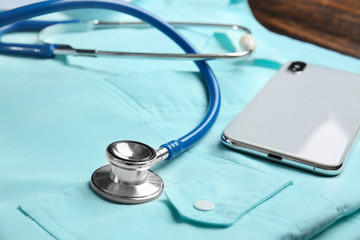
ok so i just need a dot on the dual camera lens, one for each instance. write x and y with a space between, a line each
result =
297 67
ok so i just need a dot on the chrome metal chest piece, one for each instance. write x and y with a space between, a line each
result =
127 178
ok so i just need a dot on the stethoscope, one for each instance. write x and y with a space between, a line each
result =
127 179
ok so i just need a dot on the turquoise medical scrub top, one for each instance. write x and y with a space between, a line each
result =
57 116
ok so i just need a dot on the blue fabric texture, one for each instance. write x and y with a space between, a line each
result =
58 116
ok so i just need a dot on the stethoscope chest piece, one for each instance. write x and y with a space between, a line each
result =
127 178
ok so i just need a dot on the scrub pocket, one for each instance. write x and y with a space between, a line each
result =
223 195
77 213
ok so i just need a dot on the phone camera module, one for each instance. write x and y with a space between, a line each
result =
297 67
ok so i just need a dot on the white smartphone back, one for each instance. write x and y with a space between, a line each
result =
307 119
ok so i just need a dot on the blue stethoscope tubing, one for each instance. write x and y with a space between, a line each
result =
174 147
33 50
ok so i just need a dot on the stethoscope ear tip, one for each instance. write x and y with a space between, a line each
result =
247 42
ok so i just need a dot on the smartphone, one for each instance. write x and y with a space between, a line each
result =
307 116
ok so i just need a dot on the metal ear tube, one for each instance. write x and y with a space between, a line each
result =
127 179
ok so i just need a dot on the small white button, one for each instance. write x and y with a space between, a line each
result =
204 205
